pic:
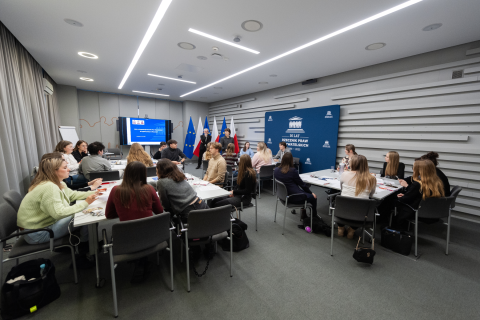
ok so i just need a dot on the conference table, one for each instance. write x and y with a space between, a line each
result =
205 191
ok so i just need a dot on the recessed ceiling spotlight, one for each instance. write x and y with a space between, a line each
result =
432 27
186 45
81 71
88 55
86 79
252 25
217 87
273 75
202 58
263 82
156 94
146 38
375 46
314 42
73 22
206 35
154 75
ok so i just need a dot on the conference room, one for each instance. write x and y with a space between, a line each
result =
212 159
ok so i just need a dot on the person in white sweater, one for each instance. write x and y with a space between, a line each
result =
76 180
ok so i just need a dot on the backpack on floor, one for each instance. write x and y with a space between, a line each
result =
240 239
319 226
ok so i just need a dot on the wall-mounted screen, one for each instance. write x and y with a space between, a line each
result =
144 131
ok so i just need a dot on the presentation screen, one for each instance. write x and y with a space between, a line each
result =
144 131
310 133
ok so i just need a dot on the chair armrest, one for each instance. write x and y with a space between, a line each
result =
183 227
21 233
333 195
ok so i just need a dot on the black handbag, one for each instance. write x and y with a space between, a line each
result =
23 296
397 241
239 237
362 254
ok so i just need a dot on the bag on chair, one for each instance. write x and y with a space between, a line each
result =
397 241
362 254
27 296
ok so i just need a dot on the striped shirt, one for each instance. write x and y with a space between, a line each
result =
230 159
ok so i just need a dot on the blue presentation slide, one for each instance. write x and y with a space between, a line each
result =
145 131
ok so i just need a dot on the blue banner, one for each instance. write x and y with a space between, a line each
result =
206 126
188 147
310 133
221 134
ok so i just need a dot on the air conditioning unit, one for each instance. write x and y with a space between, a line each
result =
47 87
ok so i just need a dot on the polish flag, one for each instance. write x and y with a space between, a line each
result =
197 137
234 135
215 136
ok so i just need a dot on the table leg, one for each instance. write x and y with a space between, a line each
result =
93 241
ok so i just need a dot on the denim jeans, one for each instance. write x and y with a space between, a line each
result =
59 228
76 181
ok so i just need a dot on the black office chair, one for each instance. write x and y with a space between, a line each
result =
265 174
231 178
224 184
105 175
204 167
13 198
151 171
296 163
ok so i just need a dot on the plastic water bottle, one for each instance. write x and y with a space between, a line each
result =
42 270
342 167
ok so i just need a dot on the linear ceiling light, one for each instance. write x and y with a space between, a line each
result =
154 75
151 30
328 36
157 94
222 41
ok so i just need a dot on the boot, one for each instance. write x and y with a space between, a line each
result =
341 231
350 234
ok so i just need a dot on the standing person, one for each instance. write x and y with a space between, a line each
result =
177 196
137 153
173 153
216 166
75 180
226 140
282 150
392 167
262 157
288 175
207 155
205 139
80 150
94 162
349 153
158 154
247 150
357 183
246 182
231 158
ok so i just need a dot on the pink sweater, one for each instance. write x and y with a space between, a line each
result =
257 162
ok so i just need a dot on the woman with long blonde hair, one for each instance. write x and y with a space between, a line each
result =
262 157
207 155
392 167
137 153
357 183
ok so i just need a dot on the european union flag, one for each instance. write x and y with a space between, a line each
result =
188 147
205 126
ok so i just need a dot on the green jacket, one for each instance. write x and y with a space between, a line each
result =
46 204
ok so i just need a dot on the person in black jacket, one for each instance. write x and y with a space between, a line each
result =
205 138
226 140
158 154
246 182
80 150
392 167
288 175
173 153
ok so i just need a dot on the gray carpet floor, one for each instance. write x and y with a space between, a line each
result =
289 276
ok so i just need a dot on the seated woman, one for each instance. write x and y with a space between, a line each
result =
75 180
137 153
47 205
262 157
288 175
246 181
349 152
247 150
433 156
357 183
430 186
207 155
177 196
80 150
231 158
392 167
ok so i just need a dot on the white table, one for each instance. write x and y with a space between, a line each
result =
333 182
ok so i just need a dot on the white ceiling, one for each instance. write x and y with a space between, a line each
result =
113 30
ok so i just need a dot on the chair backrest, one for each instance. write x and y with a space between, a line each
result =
229 169
13 198
8 220
151 171
356 209
454 193
266 171
208 222
281 190
205 164
141 234
296 160
106 175
435 207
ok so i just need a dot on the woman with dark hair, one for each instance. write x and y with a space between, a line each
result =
231 158
246 181
247 150
177 196
288 175
349 152
134 198
80 150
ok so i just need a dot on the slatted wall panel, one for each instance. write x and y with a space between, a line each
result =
412 112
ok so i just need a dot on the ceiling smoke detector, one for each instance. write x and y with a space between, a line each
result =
215 48
375 46
252 25
432 27
73 22
186 45
236 39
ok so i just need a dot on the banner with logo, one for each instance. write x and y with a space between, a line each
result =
311 134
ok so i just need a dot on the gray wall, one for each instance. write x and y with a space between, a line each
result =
410 105
68 106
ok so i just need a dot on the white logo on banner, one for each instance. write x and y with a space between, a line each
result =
269 141
326 145
142 122
329 114
308 161
295 125
270 118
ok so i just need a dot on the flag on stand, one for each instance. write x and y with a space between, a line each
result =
234 135
222 133
197 137
206 126
215 130
189 140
